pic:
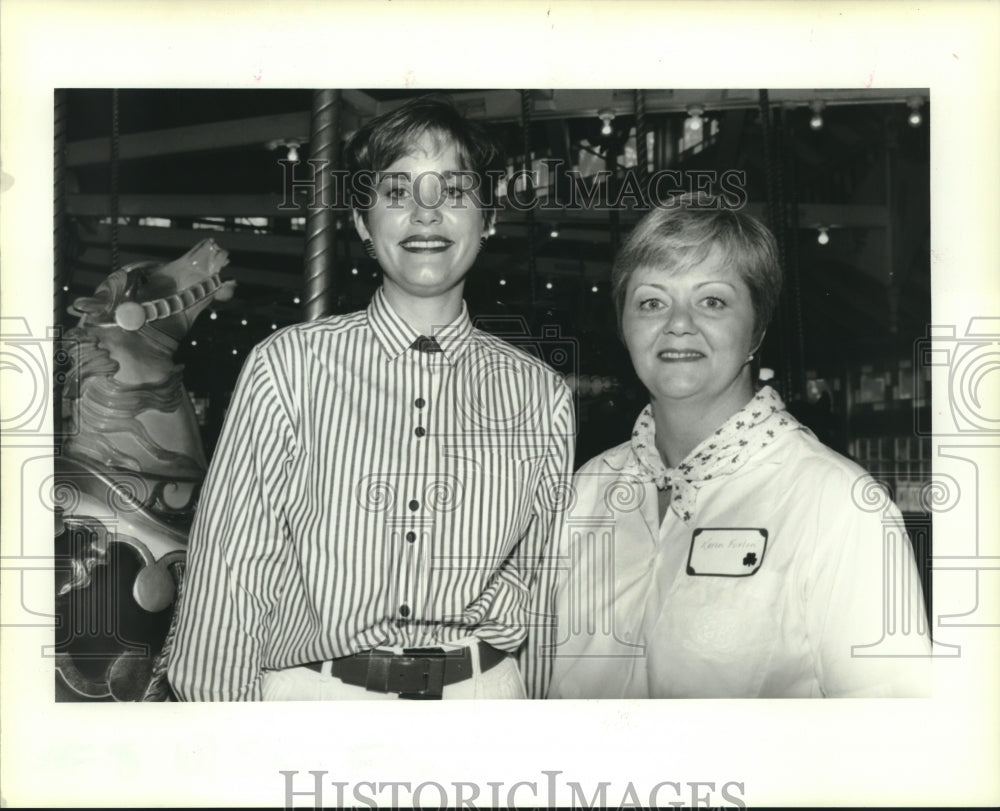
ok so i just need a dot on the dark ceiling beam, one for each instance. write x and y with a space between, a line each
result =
259 130
184 238
183 205
194 138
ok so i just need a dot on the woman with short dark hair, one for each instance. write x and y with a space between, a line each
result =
377 520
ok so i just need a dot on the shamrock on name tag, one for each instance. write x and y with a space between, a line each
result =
726 551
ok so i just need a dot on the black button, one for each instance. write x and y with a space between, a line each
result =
420 431
420 402
414 505
411 536
404 610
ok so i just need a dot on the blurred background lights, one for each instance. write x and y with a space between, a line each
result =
816 122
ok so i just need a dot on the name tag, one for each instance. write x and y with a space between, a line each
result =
726 552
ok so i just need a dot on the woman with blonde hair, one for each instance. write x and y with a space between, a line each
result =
721 551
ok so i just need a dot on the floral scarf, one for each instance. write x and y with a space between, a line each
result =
754 427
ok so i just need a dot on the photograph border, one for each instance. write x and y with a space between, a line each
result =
934 751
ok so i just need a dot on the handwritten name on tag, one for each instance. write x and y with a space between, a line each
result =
726 551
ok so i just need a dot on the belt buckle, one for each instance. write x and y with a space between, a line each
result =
433 675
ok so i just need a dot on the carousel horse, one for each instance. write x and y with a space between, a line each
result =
128 476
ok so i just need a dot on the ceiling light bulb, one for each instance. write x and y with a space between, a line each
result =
194 342
354 271
243 321
607 116
915 119
548 285
554 233
293 150
824 236
695 112
296 300
503 282
274 326
593 289
234 351
816 122
213 315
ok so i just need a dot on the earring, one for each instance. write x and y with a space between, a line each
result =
750 357
369 248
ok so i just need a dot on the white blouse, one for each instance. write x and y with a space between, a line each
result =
794 579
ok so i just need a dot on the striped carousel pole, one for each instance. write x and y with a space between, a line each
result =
321 230
59 208
529 215
115 165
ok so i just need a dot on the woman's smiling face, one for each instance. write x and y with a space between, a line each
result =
690 332
426 231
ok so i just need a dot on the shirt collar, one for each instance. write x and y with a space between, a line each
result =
623 458
396 336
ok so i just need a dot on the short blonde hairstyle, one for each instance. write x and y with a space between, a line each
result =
680 233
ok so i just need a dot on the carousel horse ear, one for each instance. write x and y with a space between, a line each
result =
225 291
130 316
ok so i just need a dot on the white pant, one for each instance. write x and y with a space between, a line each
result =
305 684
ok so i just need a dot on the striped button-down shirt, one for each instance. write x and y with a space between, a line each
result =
368 493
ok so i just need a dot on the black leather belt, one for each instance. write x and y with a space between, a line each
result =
414 673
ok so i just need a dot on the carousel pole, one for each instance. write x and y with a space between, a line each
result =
114 179
321 231
529 215
59 207
59 274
